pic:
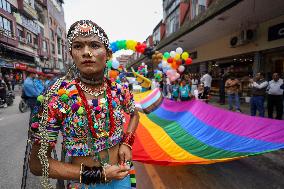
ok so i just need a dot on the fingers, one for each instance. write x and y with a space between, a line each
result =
122 175
121 157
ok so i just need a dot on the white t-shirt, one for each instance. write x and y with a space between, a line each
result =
207 80
274 87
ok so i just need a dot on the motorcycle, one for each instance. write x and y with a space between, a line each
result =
9 98
23 105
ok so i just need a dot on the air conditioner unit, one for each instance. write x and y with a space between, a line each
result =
155 42
243 38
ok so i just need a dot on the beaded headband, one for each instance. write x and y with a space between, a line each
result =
86 28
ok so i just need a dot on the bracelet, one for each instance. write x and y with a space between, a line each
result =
127 145
104 178
81 171
128 138
91 175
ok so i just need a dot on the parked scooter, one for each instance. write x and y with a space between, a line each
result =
23 105
6 97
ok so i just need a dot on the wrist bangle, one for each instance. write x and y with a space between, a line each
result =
81 171
91 175
128 138
127 145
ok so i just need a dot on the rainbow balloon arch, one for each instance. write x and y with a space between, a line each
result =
171 63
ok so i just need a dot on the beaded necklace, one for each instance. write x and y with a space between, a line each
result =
91 125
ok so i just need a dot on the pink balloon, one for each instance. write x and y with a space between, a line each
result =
168 72
177 75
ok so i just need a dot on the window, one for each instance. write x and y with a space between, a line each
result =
35 40
51 35
156 36
50 21
6 25
59 46
1 22
172 23
44 46
52 48
28 2
197 7
20 32
4 4
29 38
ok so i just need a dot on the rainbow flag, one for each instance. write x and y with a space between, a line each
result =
193 132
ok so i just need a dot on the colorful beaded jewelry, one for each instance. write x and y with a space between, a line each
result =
86 28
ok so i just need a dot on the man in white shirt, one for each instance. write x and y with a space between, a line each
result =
206 80
275 97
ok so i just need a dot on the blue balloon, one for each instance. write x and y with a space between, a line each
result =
114 47
115 64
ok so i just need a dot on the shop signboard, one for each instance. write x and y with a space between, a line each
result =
2 63
5 64
276 32
47 70
20 66
9 65
56 71
31 69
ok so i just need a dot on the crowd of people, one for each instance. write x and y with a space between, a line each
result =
191 86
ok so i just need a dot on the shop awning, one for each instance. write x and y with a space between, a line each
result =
5 64
20 51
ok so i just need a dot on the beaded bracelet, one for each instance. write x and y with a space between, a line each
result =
92 175
128 139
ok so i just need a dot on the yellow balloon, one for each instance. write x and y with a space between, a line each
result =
177 56
185 55
133 45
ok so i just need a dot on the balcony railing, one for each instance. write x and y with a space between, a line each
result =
30 10
6 33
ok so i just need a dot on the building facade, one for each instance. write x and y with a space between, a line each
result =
32 36
243 36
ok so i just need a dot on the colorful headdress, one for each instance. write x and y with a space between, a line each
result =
86 28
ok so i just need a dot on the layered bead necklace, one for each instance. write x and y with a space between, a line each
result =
107 94
96 131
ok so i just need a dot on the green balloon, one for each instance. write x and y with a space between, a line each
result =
109 63
123 44
167 55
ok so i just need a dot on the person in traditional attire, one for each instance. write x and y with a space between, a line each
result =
89 109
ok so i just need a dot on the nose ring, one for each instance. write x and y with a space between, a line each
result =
90 54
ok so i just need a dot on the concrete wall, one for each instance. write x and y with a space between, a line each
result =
220 48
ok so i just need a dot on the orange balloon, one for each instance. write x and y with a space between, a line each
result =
113 74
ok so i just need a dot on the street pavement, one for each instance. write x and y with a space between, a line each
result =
259 172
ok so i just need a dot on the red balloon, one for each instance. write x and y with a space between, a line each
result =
170 60
179 62
188 61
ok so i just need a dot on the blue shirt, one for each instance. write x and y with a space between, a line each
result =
175 90
39 85
184 91
30 88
